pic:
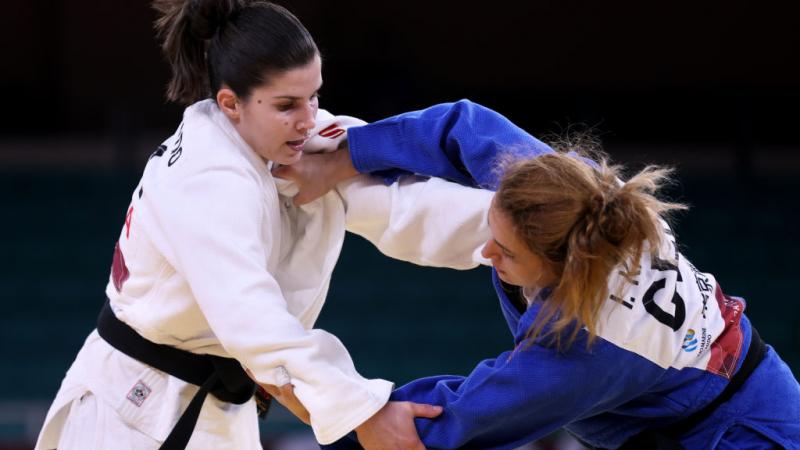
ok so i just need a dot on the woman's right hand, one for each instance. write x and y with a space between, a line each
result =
317 173
392 428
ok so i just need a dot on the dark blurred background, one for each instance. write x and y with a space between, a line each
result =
709 87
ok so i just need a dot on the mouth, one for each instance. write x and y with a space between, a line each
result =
297 145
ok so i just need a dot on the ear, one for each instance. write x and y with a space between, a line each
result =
229 103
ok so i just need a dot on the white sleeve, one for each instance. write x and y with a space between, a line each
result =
214 236
429 222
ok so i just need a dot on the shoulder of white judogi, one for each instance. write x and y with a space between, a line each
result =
206 141
665 311
204 170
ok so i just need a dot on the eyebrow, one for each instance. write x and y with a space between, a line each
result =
503 247
292 97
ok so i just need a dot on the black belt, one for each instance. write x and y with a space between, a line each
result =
224 378
667 438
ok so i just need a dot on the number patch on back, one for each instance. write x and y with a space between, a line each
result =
648 300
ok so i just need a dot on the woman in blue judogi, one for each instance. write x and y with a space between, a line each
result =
618 337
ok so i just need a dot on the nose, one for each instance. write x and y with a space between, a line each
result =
308 119
488 251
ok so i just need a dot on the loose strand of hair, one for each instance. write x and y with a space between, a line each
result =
185 52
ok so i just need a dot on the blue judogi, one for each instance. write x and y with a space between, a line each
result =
645 370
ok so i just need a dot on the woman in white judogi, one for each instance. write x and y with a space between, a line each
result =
214 259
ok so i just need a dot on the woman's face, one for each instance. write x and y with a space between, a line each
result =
278 116
515 263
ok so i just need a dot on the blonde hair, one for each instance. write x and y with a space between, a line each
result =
584 222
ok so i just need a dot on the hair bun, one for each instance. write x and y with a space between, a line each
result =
608 213
597 205
206 17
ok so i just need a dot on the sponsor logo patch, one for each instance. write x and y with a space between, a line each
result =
139 393
332 131
689 341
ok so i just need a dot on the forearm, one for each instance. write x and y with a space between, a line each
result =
341 164
427 222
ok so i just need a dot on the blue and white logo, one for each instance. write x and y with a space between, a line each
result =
689 341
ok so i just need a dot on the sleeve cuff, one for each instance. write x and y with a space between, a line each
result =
336 428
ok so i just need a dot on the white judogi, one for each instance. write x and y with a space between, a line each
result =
213 259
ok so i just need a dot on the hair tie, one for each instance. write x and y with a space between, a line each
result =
206 17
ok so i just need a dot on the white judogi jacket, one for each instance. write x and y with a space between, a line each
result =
213 258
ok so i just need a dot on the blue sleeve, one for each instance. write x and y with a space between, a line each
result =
456 141
524 395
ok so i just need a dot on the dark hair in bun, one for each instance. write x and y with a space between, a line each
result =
238 43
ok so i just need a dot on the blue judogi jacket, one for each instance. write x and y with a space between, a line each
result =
665 349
